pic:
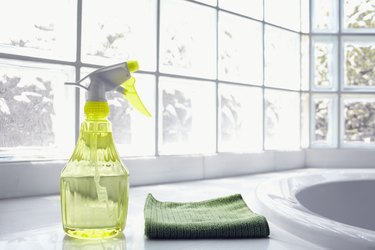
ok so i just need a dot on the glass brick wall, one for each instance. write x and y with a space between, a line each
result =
218 76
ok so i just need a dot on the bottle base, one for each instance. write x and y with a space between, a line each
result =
92 233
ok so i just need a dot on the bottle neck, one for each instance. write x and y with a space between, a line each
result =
95 143
96 117
96 131
91 125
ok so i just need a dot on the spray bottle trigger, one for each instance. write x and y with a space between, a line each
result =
77 84
130 93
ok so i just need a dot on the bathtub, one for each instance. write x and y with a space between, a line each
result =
332 208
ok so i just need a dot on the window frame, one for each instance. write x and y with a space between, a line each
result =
78 65
29 175
341 35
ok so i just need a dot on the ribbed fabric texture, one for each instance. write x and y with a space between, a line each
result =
226 217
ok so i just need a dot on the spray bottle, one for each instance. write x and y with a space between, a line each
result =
94 183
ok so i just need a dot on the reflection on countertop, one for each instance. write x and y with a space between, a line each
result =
116 243
35 223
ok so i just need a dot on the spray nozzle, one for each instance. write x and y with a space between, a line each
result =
133 66
114 78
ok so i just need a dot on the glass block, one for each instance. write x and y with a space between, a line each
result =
324 123
305 16
305 62
133 133
240 118
240 53
284 13
27 28
305 124
359 15
325 15
209 2
36 109
187 39
282 121
358 119
253 8
324 62
187 117
119 30
359 61
282 58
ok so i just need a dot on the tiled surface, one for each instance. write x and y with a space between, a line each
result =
34 223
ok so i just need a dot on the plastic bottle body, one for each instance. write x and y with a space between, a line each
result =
94 185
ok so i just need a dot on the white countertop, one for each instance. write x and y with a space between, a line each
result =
35 223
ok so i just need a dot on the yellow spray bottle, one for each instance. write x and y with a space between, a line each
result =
94 183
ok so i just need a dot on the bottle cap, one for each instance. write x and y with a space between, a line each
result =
96 110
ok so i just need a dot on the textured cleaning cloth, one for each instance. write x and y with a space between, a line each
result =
226 217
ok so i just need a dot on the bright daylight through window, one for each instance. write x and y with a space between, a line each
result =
238 77
343 78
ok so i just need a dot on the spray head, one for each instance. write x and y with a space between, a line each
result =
113 78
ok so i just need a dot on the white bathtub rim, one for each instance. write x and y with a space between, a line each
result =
280 205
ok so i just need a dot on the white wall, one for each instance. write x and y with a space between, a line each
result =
18 179
340 158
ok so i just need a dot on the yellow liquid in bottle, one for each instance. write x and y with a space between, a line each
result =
94 185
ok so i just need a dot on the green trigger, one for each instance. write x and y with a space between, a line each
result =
132 96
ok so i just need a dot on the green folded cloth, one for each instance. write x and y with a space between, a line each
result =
226 217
